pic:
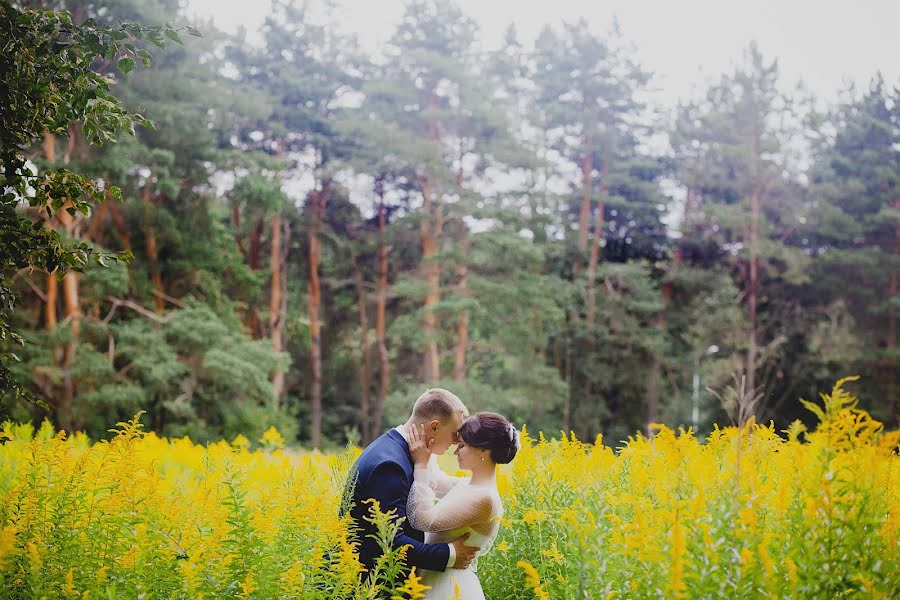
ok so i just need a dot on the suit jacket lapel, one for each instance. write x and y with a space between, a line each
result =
395 435
400 441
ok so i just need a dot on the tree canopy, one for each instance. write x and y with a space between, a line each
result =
309 236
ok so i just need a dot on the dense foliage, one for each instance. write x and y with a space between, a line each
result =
318 234
51 80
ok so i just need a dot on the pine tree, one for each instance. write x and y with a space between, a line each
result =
856 225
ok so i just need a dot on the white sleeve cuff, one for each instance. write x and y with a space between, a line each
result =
452 556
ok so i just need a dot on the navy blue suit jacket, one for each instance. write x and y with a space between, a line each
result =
384 471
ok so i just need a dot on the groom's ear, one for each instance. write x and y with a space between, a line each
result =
433 425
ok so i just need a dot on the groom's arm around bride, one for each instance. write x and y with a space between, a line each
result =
385 480
384 472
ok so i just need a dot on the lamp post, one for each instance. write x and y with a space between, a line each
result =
695 397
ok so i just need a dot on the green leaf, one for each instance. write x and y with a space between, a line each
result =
194 31
145 57
173 35
126 64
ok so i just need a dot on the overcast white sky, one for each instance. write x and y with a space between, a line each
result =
686 43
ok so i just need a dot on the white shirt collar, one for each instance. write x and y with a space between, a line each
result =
401 429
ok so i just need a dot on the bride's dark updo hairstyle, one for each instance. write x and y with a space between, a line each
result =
490 431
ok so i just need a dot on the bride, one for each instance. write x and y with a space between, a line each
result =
446 508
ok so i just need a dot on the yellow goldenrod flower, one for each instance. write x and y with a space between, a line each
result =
412 588
7 544
271 438
533 516
68 588
533 580
240 441
652 516
554 554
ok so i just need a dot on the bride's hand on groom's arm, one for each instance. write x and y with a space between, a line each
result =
419 446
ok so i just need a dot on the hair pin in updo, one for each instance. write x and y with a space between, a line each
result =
514 436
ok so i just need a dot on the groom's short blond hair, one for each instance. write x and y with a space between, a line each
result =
440 404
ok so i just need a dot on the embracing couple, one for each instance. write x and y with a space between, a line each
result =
448 521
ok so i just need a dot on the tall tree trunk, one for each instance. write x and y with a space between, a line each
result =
892 334
752 291
462 322
590 390
432 226
119 223
278 287
365 362
892 346
66 356
236 222
50 307
97 219
567 401
73 307
432 222
73 316
52 281
71 141
599 220
152 253
536 410
584 215
254 261
653 385
50 318
276 304
254 258
584 222
653 389
384 366
50 148
679 247
317 208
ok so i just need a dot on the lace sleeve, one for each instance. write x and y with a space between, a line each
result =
470 506
440 481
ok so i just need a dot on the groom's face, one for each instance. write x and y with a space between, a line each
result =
445 434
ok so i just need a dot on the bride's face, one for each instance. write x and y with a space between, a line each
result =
468 456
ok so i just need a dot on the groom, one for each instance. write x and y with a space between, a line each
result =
384 471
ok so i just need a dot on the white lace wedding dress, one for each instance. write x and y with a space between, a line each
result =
445 508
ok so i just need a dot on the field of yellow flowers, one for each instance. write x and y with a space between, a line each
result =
745 513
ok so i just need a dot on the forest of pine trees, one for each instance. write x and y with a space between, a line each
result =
319 234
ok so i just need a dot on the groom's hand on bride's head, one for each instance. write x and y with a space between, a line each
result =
419 445
464 554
